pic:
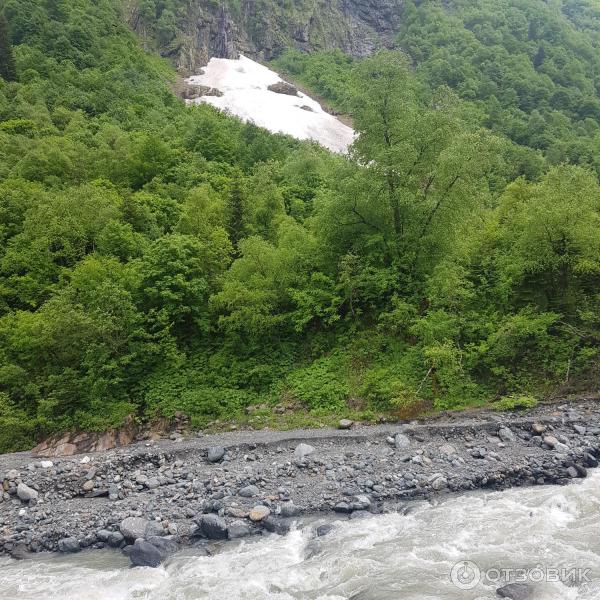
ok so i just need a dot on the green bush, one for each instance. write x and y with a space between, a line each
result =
321 386
516 402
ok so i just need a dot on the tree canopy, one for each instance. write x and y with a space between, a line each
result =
156 257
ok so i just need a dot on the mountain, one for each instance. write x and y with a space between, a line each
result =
191 32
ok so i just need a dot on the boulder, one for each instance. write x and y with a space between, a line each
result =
68 545
238 529
506 435
447 449
283 87
145 554
259 512
401 441
215 454
438 482
302 451
25 493
133 528
275 525
213 527
249 491
88 486
20 552
550 441
289 509
154 528
115 539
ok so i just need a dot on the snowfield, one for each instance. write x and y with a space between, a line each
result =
244 84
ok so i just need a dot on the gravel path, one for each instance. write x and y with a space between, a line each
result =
229 485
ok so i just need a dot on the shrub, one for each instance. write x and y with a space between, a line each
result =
319 386
516 402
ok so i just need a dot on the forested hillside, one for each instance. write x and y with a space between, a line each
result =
156 257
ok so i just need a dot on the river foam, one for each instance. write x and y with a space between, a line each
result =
386 557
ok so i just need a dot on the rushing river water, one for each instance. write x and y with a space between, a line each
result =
549 533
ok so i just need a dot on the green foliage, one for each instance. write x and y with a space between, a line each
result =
157 258
515 402
8 69
531 65
321 386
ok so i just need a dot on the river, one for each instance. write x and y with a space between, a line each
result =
546 536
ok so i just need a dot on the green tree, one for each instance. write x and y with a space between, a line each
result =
8 69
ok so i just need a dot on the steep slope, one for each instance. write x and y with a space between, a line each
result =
192 31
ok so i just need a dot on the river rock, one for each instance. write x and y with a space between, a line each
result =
274 525
88 486
238 529
249 491
215 454
401 441
68 545
25 493
289 509
438 482
12 475
115 539
213 527
20 552
133 528
154 528
144 554
302 451
550 441
506 435
515 591
259 512
447 450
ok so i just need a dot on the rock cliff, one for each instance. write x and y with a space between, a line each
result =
261 29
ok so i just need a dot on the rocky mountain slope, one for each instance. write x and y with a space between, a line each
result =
192 31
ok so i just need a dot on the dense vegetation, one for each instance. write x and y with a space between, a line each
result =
156 258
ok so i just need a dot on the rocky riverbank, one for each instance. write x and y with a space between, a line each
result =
166 494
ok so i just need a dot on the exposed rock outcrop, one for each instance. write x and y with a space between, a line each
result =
208 30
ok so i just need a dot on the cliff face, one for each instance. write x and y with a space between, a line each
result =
261 29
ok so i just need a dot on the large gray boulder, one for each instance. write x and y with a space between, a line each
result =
249 491
145 554
238 529
133 528
302 451
213 527
68 545
401 441
215 454
25 493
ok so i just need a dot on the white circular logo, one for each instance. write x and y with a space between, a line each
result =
465 575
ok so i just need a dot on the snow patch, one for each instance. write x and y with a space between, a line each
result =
244 84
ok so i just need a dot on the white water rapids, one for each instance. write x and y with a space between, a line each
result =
386 557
